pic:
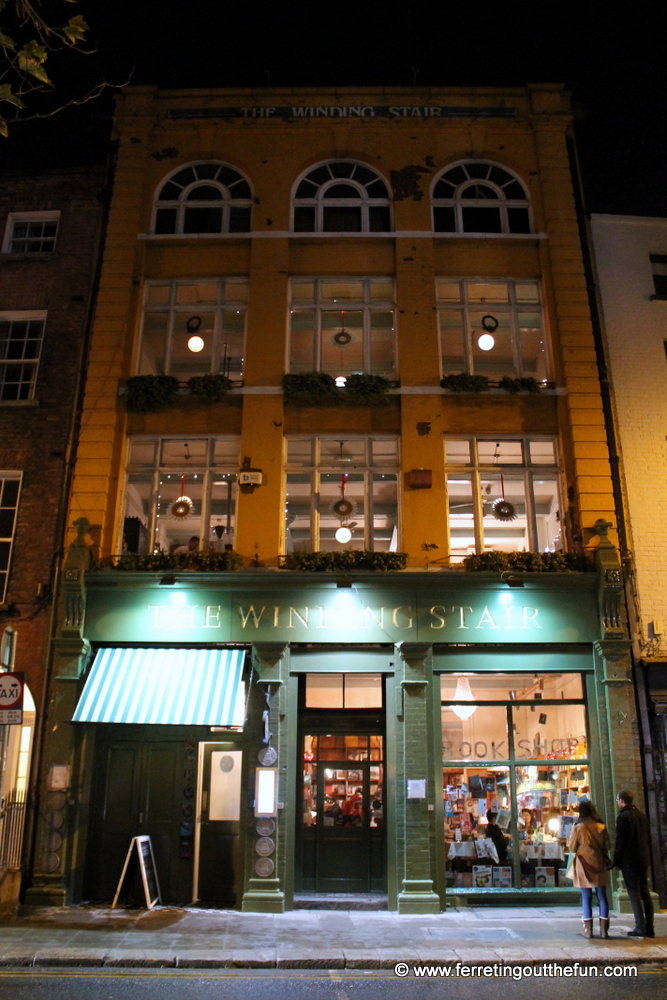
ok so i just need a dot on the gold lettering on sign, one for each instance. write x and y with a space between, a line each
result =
276 615
462 610
374 618
509 610
212 616
294 612
486 618
528 618
394 616
157 608
438 613
251 613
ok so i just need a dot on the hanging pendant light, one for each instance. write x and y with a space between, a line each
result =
182 507
463 693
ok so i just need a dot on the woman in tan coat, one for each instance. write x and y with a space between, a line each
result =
589 841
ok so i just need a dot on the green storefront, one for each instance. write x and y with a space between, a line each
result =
284 736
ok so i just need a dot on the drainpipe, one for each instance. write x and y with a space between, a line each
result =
639 668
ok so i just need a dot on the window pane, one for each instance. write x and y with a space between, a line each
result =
204 192
303 291
382 291
341 220
525 686
481 736
546 802
531 345
202 220
235 291
304 220
542 452
342 349
172 534
493 357
547 514
385 513
342 291
136 518
505 529
444 220
165 221
142 453
487 291
461 516
302 341
330 521
518 220
468 792
500 452
186 360
448 291
220 535
158 295
226 451
10 492
342 191
297 513
385 452
457 452
451 341
528 292
481 220
300 452
153 344
379 219
334 451
382 343
182 454
198 292
7 515
363 690
231 346
324 691
239 219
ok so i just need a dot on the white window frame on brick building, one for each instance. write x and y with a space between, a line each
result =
484 470
21 337
204 197
159 468
480 197
343 325
493 327
193 328
30 233
341 196
10 493
321 471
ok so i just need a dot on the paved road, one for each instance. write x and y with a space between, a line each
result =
245 985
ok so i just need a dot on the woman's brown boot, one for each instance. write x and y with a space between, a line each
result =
588 928
604 927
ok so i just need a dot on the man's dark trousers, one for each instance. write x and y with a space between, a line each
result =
636 882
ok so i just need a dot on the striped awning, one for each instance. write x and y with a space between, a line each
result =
165 687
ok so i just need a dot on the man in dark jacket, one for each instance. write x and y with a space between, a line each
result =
495 834
631 855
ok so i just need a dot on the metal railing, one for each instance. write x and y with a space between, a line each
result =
12 819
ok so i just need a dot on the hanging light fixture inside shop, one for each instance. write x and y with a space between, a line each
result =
344 509
195 343
463 693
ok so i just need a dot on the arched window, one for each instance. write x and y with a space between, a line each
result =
342 196
480 197
206 197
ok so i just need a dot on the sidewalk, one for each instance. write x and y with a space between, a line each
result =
316 939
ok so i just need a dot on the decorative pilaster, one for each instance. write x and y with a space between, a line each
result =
414 819
264 890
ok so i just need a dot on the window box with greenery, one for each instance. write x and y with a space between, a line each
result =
340 562
205 561
527 562
321 389
147 393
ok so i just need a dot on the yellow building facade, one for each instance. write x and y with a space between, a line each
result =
420 250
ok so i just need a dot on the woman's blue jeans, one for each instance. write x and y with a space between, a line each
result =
587 902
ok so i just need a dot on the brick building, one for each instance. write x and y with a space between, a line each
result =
51 229
350 332
631 265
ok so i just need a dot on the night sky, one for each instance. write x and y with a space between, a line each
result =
612 56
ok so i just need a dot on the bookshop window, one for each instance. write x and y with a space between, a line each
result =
343 781
163 471
341 493
491 327
515 768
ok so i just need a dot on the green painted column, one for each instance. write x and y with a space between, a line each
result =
265 874
415 815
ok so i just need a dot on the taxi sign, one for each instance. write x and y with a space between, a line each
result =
11 698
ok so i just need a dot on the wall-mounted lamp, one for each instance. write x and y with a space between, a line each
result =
343 582
168 580
511 579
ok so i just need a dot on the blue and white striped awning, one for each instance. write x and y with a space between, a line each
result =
165 687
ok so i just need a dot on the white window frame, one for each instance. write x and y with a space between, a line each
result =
459 201
511 306
319 203
14 217
207 470
181 204
4 477
23 317
477 469
223 305
367 307
318 468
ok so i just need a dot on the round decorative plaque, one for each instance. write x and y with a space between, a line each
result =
265 826
226 763
267 756
264 867
51 861
56 800
265 846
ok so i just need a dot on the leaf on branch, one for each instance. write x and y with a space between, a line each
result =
4 131
31 59
6 42
6 95
75 29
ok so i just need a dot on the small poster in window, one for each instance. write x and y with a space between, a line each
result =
466 822
503 818
502 877
563 796
565 828
482 876
495 805
449 808
545 876
490 783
